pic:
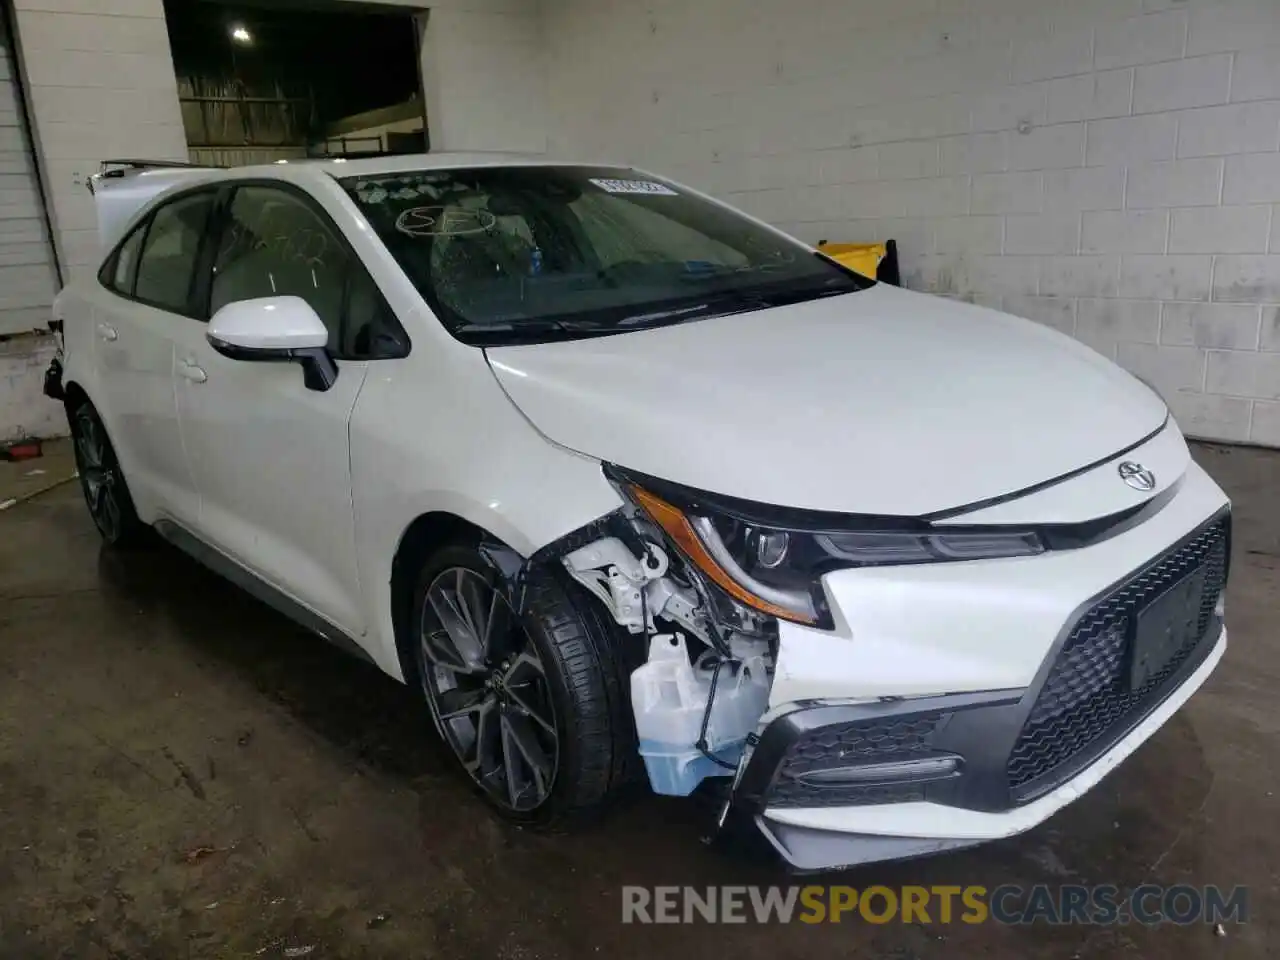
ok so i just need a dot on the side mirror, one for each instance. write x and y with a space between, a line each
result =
275 330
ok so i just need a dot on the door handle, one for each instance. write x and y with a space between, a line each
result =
107 332
193 372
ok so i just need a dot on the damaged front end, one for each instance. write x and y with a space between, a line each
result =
712 586
699 697
705 685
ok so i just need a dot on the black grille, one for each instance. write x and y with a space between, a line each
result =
1086 703
847 744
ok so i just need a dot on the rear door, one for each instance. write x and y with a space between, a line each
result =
271 457
145 309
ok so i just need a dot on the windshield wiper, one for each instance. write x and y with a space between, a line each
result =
517 331
659 317
723 302
542 328
711 304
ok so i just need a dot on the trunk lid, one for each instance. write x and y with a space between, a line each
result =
123 187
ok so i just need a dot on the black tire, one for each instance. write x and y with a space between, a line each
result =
102 481
594 733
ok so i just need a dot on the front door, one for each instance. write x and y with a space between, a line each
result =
271 458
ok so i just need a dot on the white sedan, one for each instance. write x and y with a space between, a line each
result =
631 485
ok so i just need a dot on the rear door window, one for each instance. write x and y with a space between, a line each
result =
166 268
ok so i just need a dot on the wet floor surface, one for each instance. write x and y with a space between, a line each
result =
184 774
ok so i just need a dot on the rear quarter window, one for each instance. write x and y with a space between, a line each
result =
123 267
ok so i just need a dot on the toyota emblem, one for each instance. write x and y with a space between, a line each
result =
1137 476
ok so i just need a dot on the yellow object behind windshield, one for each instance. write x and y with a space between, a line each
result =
862 257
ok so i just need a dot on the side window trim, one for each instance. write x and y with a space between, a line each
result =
222 210
202 287
107 272
145 230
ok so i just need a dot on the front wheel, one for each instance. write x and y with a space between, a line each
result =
101 480
529 704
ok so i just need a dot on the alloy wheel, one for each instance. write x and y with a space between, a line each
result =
487 688
98 475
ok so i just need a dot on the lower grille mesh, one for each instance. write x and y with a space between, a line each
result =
1086 704
845 745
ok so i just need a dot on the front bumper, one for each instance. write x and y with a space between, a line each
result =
827 838
1049 708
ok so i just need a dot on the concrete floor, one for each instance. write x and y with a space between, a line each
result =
185 774
23 479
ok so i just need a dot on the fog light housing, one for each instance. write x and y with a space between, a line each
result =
916 770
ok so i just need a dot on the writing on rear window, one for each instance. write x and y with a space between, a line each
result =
634 186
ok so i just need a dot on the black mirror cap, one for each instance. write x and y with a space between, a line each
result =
319 371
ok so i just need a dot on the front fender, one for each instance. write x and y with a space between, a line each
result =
448 440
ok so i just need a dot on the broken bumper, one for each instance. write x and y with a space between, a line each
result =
859 761
823 838
53 388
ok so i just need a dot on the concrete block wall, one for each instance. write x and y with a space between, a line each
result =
24 409
1108 167
484 74
100 84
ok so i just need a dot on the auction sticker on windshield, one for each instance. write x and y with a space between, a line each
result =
634 186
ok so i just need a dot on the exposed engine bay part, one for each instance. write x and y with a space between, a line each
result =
635 589
694 709
699 698
683 730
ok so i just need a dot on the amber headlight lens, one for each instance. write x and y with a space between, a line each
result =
778 571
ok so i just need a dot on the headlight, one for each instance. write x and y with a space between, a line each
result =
776 567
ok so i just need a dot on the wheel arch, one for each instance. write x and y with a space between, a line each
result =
397 533
424 535
75 395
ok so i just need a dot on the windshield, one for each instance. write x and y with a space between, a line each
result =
528 254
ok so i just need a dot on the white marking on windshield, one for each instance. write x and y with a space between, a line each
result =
443 222
634 186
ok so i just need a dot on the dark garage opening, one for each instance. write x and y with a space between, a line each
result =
269 81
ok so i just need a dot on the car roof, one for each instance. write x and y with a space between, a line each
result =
120 193
378 166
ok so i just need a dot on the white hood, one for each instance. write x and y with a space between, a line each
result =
883 401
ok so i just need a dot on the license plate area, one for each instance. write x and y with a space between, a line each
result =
1164 627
